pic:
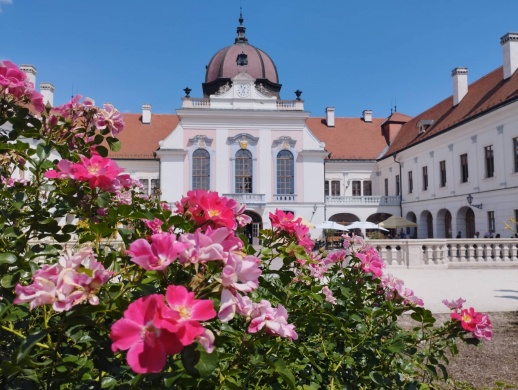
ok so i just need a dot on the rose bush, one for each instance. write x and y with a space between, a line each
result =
102 287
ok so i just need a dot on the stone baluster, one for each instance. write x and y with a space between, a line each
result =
498 253
506 251
462 254
429 256
480 253
471 253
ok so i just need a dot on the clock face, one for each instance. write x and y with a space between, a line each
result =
243 90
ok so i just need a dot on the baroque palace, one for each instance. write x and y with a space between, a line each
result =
452 168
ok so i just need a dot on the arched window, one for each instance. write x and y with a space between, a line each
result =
243 175
285 173
200 170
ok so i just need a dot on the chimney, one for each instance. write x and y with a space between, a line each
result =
47 90
330 116
146 114
460 84
509 44
367 116
31 72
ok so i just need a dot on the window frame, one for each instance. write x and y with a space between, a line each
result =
442 173
464 168
288 179
425 177
367 188
203 177
489 161
410 182
491 221
356 187
335 188
243 173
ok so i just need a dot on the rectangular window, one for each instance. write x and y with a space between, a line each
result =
357 188
491 221
367 188
425 178
155 186
464 168
145 186
515 153
326 188
410 182
490 161
398 184
386 187
442 169
335 188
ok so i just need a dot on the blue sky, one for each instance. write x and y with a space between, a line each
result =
353 55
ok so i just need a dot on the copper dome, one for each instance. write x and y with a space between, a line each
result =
228 62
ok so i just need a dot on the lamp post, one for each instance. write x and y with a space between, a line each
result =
469 198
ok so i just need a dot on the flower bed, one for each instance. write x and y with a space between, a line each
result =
187 302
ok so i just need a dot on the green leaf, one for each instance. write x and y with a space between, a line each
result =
8 258
104 199
102 150
10 280
29 343
43 151
285 373
101 228
108 382
396 346
197 361
114 143
377 378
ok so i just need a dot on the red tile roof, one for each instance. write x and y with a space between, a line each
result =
139 140
484 95
350 138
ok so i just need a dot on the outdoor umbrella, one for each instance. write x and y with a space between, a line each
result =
396 222
365 225
305 222
331 225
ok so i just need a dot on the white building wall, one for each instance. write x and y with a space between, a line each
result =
497 194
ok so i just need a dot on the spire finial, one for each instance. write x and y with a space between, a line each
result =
241 29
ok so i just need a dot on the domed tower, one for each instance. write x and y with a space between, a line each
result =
237 58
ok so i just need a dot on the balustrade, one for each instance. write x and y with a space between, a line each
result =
363 200
247 198
450 253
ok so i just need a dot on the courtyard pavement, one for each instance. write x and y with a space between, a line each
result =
486 290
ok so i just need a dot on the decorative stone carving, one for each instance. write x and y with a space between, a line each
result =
285 142
244 140
224 88
261 88
202 141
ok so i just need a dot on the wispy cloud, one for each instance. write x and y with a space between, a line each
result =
3 2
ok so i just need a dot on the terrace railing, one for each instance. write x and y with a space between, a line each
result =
449 253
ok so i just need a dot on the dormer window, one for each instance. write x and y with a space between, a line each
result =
242 59
423 125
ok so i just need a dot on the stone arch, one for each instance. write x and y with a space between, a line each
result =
426 220
411 232
344 218
252 229
444 224
465 221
